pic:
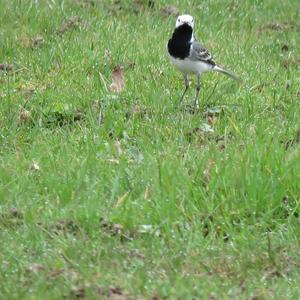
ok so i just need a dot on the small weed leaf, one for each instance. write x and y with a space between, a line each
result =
206 128
149 229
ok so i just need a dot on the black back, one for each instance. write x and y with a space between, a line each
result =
179 44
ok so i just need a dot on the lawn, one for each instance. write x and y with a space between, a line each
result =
112 189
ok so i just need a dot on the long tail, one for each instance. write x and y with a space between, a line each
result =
228 73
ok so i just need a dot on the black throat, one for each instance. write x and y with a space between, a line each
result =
179 44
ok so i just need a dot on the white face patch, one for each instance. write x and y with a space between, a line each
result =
185 19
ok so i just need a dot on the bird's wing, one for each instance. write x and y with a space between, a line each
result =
199 52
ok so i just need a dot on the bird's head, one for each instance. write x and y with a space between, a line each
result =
185 19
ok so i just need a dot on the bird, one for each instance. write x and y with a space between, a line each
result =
190 56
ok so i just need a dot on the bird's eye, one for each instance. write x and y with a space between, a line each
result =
178 20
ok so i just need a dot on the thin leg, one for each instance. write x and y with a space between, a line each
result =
186 83
196 104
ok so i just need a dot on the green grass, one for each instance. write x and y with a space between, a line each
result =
84 170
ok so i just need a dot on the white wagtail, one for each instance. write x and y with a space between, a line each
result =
190 56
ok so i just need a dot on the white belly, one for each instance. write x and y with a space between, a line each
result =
190 67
